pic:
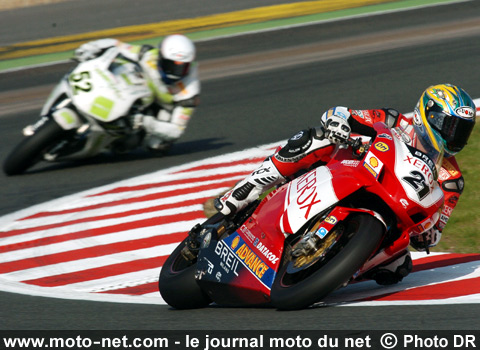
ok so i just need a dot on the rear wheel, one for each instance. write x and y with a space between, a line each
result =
177 283
305 279
29 151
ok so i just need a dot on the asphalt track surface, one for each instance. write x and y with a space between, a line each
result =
242 111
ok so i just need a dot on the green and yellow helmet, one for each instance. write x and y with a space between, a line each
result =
445 115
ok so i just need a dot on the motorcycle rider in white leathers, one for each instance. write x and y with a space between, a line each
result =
444 118
171 74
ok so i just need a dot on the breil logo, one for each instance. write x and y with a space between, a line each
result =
229 261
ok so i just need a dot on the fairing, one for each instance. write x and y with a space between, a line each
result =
241 268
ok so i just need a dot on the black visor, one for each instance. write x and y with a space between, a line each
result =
454 130
173 69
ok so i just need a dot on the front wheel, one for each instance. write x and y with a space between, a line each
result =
177 283
30 150
297 288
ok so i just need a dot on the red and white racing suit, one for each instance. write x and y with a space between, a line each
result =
310 148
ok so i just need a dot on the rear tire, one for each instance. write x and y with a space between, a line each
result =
31 148
302 289
177 284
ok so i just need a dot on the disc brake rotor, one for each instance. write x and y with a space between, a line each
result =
322 246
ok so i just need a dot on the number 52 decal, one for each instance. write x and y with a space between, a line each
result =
80 82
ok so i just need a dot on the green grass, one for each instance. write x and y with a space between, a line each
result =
462 233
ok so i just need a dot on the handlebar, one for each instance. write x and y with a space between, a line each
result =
359 149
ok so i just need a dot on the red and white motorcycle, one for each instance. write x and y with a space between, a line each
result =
312 235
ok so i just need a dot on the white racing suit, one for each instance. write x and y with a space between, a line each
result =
166 119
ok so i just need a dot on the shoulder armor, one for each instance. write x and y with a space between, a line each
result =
144 49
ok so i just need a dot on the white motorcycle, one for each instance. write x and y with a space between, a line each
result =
92 110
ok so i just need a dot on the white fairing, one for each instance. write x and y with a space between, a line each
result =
105 90
307 195
417 176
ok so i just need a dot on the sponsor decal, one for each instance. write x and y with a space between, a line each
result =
210 266
450 168
453 200
218 276
307 192
373 164
358 113
228 260
443 174
267 253
385 136
235 242
423 163
226 196
332 220
367 117
233 252
350 162
247 233
252 261
322 232
447 210
404 203
465 112
381 146
364 114
297 136
442 221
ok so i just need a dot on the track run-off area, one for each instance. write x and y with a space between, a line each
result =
109 243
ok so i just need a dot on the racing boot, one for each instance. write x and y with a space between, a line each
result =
249 189
392 272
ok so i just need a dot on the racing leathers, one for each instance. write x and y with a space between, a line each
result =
313 147
166 118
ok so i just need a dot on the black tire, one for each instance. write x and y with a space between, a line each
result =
366 234
177 284
30 149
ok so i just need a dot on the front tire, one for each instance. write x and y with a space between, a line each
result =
30 149
177 284
298 290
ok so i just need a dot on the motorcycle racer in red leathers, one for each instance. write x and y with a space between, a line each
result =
443 120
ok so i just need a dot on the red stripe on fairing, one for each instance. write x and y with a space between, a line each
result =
170 183
437 291
91 252
253 161
161 220
442 260
146 288
145 198
98 272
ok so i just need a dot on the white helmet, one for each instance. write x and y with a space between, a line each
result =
176 53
